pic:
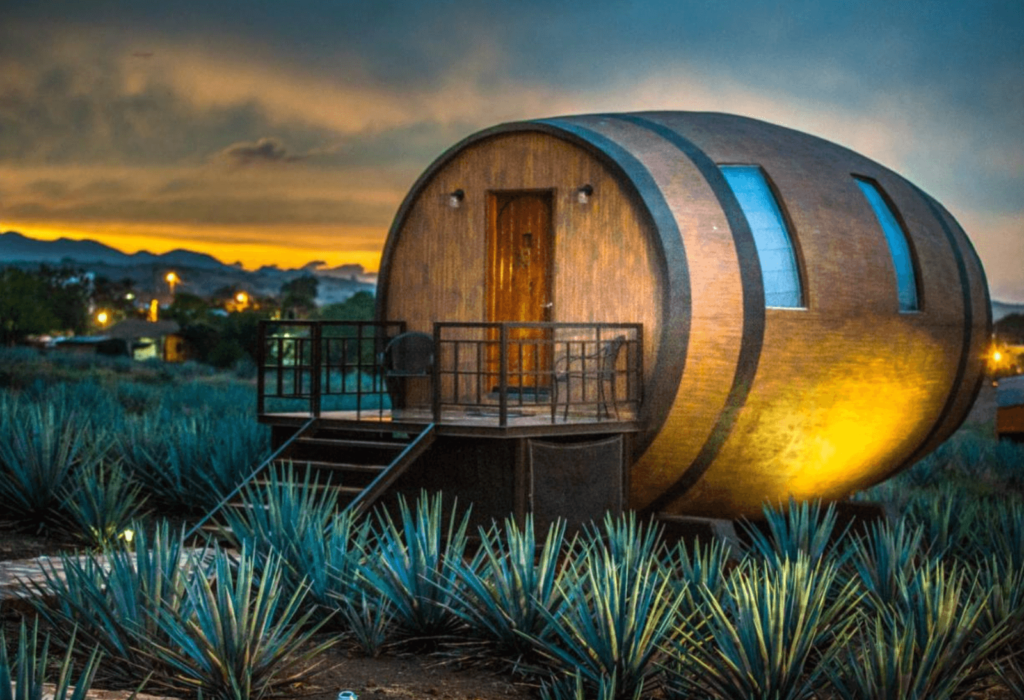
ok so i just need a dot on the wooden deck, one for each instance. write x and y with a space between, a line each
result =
479 421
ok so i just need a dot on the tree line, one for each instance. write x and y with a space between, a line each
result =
220 329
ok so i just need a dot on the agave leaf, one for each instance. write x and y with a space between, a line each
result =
885 557
26 676
368 619
112 603
101 502
411 565
802 527
772 634
926 645
242 638
1010 672
618 609
502 591
39 453
948 518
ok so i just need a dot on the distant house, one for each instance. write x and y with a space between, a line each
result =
1010 411
90 345
145 340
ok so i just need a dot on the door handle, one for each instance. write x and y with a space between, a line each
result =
548 305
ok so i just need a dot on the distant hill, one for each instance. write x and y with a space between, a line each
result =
15 247
200 273
1002 309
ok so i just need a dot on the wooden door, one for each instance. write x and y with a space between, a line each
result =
519 270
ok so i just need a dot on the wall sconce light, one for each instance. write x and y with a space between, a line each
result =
584 194
455 199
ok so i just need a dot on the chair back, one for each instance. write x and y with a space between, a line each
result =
610 355
408 355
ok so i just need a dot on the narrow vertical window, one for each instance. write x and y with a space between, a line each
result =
774 247
899 248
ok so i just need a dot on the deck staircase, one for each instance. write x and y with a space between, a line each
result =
358 462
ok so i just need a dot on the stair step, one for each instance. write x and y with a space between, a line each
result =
343 490
334 466
352 443
389 428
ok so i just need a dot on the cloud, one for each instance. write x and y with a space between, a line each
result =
214 209
264 151
357 98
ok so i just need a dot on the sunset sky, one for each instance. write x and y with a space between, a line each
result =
282 133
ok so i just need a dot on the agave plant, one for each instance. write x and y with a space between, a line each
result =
699 566
771 635
143 444
803 527
885 557
573 687
1010 672
190 462
25 677
333 568
1003 533
503 591
948 518
1003 585
113 602
39 453
242 638
102 501
287 516
368 619
618 609
410 569
925 646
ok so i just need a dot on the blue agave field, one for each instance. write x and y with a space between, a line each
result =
926 604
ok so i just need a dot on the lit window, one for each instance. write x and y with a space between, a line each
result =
774 247
899 248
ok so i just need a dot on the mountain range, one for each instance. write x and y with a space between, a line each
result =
203 274
199 273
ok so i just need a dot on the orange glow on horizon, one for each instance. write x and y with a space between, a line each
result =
283 247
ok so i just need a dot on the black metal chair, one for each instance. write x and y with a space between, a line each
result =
599 366
406 355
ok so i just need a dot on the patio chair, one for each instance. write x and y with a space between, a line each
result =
406 355
597 366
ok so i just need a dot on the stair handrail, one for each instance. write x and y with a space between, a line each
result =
245 482
357 503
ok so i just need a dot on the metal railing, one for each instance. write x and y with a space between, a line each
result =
487 373
582 371
314 366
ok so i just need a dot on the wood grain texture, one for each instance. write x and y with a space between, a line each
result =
811 402
605 265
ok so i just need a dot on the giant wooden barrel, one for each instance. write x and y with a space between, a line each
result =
813 322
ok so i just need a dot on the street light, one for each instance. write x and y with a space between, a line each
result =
172 279
101 318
